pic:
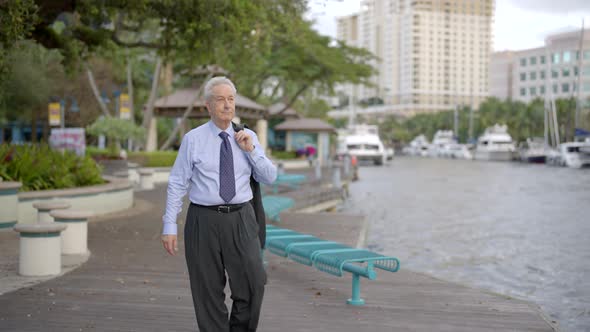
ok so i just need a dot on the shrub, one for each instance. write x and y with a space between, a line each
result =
115 130
284 155
38 167
153 159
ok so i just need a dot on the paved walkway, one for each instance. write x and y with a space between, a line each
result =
130 284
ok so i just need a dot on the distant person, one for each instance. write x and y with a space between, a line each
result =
214 165
310 152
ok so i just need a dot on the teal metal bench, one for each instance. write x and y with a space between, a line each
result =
292 180
330 257
274 205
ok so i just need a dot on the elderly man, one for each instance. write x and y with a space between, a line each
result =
214 165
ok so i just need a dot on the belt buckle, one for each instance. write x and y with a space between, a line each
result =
223 209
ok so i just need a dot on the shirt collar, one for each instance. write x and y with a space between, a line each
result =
216 130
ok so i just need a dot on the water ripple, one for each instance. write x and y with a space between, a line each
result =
516 229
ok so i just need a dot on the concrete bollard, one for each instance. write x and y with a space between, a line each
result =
9 203
39 249
318 171
336 177
44 208
74 241
146 179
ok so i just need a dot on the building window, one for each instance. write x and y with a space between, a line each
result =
542 59
586 71
554 88
565 72
523 76
522 91
533 75
567 56
565 87
523 62
533 60
576 71
586 55
542 89
533 91
554 74
586 86
542 74
555 58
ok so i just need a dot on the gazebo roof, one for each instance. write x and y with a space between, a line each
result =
305 124
273 111
175 104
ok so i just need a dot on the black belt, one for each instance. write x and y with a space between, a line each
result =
227 208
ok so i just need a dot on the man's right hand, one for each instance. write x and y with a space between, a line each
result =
170 244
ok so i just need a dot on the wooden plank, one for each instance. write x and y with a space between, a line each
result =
131 284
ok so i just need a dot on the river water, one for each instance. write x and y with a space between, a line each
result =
517 229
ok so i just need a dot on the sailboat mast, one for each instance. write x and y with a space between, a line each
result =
546 123
456 121
579 83
555 124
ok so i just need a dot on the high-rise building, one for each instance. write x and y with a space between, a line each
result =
555 70
433 55
500 74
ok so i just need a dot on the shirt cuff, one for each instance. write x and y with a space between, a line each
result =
170 229
256 152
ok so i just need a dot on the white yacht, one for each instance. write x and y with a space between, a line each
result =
417 147
458 151
363 142
441 142
495 144
534 150
575 154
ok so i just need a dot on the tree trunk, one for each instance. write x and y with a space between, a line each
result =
92 82
187 112
34 116
149 111
130 89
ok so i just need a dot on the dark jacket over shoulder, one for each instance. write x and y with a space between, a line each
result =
256 201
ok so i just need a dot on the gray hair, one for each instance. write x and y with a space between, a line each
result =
215 81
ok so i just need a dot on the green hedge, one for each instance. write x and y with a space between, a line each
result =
153 159
284 155
38 167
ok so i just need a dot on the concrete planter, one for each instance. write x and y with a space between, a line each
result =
117 195
9 203
160 174
112 166
44 208
74 240
39 249
146 179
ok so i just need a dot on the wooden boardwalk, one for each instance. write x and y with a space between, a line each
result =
130 284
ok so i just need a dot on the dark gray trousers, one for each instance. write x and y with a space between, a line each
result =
216 243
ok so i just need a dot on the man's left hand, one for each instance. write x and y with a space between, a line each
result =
244 141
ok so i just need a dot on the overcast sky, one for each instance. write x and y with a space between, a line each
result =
518 24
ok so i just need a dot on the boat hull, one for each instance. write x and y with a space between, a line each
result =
493 155
536 159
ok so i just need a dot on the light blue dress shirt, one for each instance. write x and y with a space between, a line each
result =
196 170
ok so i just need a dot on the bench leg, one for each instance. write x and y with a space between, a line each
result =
356 291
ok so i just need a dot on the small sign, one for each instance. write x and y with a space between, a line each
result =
54 115
125 107
72 139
